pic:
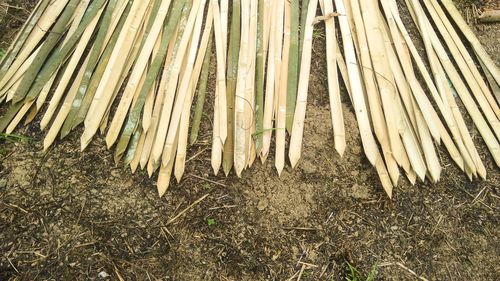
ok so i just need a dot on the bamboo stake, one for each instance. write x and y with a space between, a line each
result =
464 94
134 116
300 109
45 22
260 74
56 59
160 96
173 72
270 88
22 36
200 100
94 72
443 104
232 73
116 63
293 68
367 139
68 73
169 148
282 93
184 122
471 37
240 158
137 72
378 119
333 87
462 58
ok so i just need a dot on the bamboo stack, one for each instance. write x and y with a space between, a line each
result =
132 70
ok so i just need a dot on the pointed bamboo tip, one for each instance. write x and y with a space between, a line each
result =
294 159
238 172
167 155
279 169
162 184
226 168
340 150
133 168
389 193
110 140
84 142
43 124
216 169
482 174
178 172
46 145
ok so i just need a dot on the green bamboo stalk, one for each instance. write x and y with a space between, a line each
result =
259 78
40 60
11 54
91 66
151 76
303 17
293 65
53 63
132 146
90 86
232 73
202 89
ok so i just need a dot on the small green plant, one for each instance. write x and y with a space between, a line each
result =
10 138
210 222
207 186
354 275
306 273
318 34
13 137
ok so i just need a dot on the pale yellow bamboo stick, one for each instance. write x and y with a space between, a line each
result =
462 138
173 131
333 86
116 63
281 111
240 150
270 87
69 70
471 37
180 159
171 87
378 119
250 86
65 107
151 133
369 145
44 23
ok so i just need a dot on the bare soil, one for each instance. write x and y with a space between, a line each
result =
71 215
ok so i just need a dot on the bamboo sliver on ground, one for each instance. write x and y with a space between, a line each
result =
153 59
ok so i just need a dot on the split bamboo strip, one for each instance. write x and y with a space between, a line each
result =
267 126
471 37
260 74
115 65
232 73
282 93
293 68
305 68
173 130
180 158
138 71
240 158
378 119
370 147
333 86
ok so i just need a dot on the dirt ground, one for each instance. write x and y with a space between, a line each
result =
70 215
